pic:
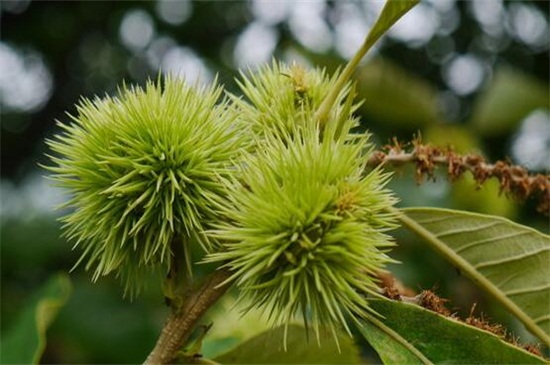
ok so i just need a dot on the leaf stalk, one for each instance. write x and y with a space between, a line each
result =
470 271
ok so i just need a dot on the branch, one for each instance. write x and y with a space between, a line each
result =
514 180
178 326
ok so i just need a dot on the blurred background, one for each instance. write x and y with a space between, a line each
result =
471 74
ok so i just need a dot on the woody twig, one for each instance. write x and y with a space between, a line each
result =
514 180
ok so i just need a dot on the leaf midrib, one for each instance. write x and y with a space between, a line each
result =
470 271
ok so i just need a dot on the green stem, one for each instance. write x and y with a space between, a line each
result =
471 272
180 323
345 76
392 11
179 279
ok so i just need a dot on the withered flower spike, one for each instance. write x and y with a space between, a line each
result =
515 181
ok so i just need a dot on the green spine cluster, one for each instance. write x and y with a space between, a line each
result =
304 226
304 231
145 171
281 100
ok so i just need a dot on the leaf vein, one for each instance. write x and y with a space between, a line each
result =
433 220
489 240
542 319
527 290
507 280
511 258
462 230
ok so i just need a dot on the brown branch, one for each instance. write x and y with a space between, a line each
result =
514 180
179 324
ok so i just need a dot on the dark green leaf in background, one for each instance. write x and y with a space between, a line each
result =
507 100
395 97
26 341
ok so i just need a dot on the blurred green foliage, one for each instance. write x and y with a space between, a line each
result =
26 340
409 84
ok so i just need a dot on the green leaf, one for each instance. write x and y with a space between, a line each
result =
409 334
507 260
267 348
26 341
393 10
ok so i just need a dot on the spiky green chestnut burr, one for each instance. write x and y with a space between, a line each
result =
145 171
280 99
304 232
